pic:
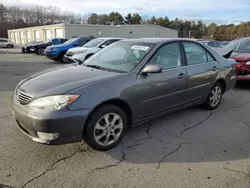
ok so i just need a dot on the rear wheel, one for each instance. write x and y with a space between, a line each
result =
214 97
105 128
40 51
9 46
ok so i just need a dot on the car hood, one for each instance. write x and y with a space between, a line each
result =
240 56
76 49
63 80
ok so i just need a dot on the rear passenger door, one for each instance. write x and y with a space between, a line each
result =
202 71
3 43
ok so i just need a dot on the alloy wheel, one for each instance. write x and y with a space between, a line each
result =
215 96
108 129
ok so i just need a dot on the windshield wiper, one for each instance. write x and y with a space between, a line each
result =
95 66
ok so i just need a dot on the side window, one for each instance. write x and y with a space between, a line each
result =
2 40
210 58
168 56
108 42
81 42
195 54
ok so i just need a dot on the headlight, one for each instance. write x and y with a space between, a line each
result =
52 103
248 63
54 49
81 52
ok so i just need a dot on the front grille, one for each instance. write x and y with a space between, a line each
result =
23 98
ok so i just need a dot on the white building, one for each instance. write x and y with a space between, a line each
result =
42 33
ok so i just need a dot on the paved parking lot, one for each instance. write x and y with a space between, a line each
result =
192 148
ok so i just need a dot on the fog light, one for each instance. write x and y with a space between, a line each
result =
47 136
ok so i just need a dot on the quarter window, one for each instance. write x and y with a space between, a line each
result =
196 54
168 56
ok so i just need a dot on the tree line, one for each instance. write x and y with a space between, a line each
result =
14 17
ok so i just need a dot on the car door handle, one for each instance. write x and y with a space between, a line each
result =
181 75
214 68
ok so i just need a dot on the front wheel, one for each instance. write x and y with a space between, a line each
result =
105 128
214 97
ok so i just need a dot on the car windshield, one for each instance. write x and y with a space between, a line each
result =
93 43
71 41
241 45
120 57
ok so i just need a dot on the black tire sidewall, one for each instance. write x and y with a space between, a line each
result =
207 104
96 115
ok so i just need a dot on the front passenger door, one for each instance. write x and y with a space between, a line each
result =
166 90
202 71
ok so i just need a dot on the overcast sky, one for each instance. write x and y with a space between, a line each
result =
219 11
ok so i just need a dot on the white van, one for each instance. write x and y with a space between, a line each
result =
6 43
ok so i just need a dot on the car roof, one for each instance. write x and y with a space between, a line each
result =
106 38
156 40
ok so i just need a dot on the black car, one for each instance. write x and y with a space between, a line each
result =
28 46
39 48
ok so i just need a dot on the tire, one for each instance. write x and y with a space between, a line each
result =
9 46
108 130
217 90
61 57
40 51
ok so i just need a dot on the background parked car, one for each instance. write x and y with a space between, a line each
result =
6 43
82 53
241 53
224 43
211 43
129 82
39 48
26 48
57 52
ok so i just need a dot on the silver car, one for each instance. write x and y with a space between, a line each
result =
125 84
6 43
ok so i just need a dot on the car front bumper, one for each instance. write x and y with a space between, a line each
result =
50 127
68 59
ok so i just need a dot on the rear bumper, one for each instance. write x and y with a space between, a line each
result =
246 78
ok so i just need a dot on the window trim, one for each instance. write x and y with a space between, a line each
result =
167 43
206 51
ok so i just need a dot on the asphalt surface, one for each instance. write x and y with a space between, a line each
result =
192 148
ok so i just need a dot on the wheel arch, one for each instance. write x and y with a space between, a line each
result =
117 102
223 84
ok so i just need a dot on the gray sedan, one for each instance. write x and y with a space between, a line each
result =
126 84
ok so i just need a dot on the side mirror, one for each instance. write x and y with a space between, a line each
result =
152 69
75 45
103 46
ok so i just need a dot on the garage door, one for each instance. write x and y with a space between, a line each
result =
12 37
22 38
28 36
37 35
59 33
47 34
16 38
